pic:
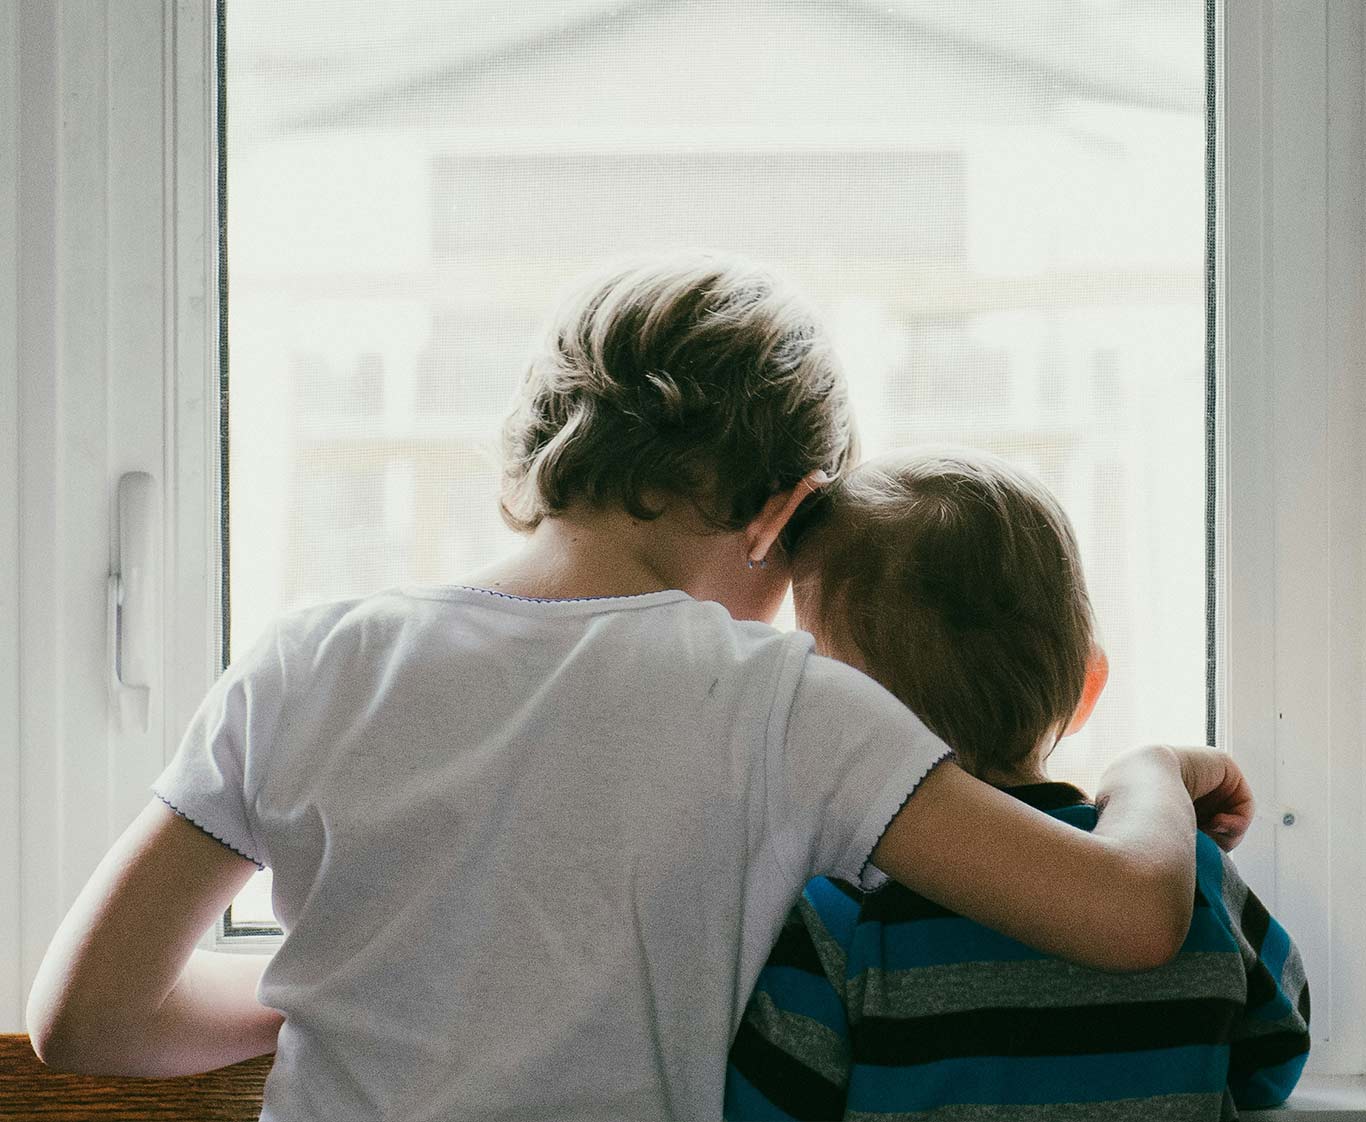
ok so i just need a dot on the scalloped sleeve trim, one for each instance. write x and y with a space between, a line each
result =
894 796
200 826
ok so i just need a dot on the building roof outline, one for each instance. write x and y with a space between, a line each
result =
1106 65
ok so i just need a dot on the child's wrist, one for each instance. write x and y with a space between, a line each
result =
1152 771
1150 759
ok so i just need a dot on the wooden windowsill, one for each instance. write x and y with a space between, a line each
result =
31 1091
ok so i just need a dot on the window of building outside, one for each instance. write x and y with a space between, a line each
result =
999 210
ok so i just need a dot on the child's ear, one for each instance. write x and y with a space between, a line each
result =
1097 674
764 529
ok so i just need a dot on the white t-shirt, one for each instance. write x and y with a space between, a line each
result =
530 856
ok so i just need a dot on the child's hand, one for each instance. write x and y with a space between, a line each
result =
1221 795
1223 800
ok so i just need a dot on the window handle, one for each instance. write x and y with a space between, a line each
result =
131 603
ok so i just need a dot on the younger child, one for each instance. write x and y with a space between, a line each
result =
954 580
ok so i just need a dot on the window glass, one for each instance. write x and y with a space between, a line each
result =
998 207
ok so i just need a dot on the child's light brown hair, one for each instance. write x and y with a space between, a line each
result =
957 580
697 375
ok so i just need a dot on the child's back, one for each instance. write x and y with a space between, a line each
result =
529 851
417 842
887 1004
955 580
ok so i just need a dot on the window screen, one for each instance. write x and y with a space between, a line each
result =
998 207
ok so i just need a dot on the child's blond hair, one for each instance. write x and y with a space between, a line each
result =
957 580
698 375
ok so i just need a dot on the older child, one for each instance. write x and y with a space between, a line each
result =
532 836
954 580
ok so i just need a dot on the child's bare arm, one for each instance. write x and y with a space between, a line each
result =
1118 898
122 990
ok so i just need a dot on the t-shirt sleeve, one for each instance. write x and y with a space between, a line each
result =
851 756
217 766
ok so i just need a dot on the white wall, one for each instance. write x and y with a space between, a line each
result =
1293 484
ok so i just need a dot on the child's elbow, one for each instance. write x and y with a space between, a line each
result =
53 1040
42 1022
63 1040
75 1054
1150 936
51 1043
1133 951
1150 949
1143 924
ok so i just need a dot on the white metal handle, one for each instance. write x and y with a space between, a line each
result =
131 604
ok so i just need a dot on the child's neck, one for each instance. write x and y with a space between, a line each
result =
1032 769
590 553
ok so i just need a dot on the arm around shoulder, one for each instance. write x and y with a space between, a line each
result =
1119 898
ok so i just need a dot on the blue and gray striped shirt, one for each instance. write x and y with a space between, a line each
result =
887 1005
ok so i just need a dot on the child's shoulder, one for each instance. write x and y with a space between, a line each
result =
842 907
668 626
1220 888
305 627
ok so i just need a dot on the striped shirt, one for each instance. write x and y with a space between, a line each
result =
886 1005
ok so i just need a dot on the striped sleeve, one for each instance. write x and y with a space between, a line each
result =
790 1058
1270 1038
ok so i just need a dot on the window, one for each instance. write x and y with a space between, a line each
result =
1000 214
107 188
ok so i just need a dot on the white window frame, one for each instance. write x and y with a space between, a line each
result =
98 308
109 363
11 932
1291 489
